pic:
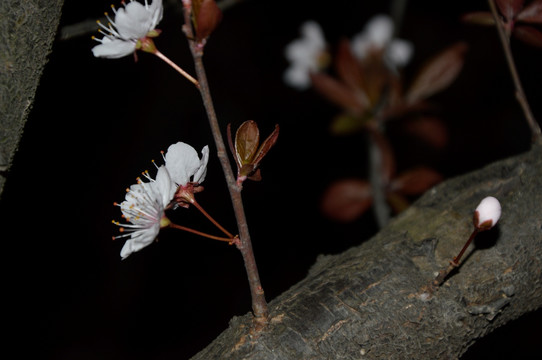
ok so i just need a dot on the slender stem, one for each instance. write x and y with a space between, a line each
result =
198 206
259 304
380 207
455 262
177 68
536 133
180 227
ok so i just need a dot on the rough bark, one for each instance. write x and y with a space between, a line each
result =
27 31
368 302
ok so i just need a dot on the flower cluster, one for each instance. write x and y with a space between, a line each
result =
145 202
307 54
132 28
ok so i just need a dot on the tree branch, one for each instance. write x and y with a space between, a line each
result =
369 300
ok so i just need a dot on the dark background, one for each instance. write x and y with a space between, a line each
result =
97 123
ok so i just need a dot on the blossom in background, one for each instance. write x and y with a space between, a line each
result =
306 54
143 208
377 37
184 164
133 24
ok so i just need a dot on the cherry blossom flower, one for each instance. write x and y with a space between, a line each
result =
134 24
378 37
306 54
143 208
184 164
487 213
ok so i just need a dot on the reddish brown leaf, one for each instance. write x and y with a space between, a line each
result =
509 8
415 181
247 139
532 13
347 66
430 129
438 73
266 146
337 92
528 35
207 16
479 18
346 200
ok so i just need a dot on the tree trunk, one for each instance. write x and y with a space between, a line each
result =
27 31
369 301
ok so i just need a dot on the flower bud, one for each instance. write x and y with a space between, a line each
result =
487 213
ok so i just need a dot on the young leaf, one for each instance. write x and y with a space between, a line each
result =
266 146
438 74
479 18
509 8
247 139
429 129
338 93
532 13
346 200
415 181
528 35
207 16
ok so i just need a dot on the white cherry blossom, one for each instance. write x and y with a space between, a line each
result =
378 36
143 208
184 164
306 55
133 22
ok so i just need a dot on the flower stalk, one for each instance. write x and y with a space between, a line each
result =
259 304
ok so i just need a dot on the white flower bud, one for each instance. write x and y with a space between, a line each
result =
487 213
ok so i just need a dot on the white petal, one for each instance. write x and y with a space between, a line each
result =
297 77
399 52
156 9
113 49
139 240
201 172
380 30
313 34
133 21
164 186
182 162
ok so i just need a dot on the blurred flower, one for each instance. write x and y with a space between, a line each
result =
306 54
487 213
377 37
134 24
143 208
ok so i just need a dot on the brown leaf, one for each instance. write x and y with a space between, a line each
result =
532 13
430 129
247 139
346 200
267 144
528 35
347 66
207 16
509 8
337 92
415 181
438 73
479 18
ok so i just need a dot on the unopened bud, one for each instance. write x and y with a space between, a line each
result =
487 213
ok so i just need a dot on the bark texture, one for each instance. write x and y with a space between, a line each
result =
27 31
369 302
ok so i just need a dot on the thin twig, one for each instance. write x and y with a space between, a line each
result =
259 304
200 233
536 134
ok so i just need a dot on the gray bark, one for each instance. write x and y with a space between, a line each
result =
369 302
27 31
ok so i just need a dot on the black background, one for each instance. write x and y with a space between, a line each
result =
97 123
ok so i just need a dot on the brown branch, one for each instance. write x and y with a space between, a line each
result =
259 304
536 134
